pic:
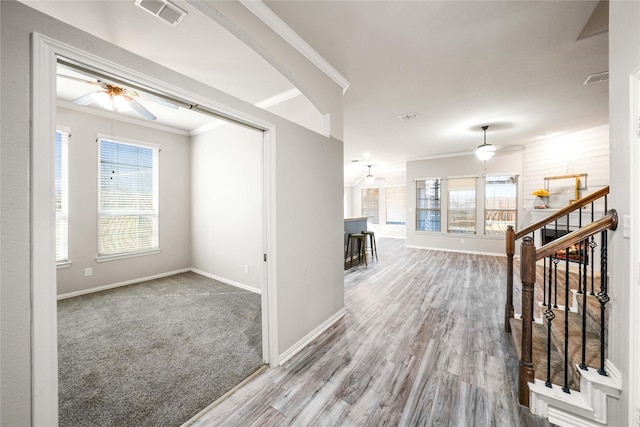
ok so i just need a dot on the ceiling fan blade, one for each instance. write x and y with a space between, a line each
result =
138 108
84 99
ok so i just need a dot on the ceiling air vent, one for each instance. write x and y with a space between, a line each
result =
168 12
407 116
596 78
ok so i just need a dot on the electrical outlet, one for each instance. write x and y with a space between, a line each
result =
88 272
461 240
246 268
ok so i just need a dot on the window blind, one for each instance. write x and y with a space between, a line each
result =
369 204
461 215
128 198
62 195
396 204
501 200
428 204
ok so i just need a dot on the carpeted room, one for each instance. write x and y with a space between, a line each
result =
170 346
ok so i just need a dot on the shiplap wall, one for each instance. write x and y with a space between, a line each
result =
586 151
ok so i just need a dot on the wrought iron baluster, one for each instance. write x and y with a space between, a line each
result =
565 388
555 281
544 284
581 254
592 245
603 297
583 364
549 315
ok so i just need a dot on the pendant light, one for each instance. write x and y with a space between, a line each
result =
369 178
485 151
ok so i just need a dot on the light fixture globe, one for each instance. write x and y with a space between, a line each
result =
485 151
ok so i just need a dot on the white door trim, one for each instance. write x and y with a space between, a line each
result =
634 264
43 271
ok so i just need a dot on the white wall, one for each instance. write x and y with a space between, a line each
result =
309 231
586 151
227 209
505 162
174 203
624 59
309 284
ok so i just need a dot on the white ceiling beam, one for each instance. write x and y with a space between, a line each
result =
273 21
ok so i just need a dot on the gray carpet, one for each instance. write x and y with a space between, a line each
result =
154 353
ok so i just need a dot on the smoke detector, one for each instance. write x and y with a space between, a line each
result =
163 9
596 78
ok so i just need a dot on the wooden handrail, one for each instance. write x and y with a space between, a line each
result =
579 204
608 222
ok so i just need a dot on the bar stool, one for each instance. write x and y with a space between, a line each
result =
372 242
352 239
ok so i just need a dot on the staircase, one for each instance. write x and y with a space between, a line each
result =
560 334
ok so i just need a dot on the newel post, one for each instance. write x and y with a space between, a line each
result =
510 243
528 278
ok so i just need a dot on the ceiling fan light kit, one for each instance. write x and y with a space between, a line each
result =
485 151
111 102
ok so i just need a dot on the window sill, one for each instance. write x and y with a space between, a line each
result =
64 264
116 257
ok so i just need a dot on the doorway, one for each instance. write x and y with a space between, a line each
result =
44 294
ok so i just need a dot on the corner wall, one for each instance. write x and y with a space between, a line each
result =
227 210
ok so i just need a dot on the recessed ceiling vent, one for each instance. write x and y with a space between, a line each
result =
165 10
408 116
596 78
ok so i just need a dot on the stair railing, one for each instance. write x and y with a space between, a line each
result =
528 258
512 236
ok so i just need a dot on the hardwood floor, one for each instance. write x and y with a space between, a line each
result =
422 344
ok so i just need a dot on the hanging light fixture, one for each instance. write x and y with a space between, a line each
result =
485 151
369 178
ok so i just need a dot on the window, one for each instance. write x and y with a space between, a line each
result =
369 204
62 195
461 214
127 197
501 198
428 204
396 204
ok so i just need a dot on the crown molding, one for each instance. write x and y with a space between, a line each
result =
273 21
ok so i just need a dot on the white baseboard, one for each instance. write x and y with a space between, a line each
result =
297 347
456 250
227 281
119 284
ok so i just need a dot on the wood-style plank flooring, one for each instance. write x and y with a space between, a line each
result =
422 344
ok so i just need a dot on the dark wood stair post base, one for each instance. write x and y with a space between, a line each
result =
528 277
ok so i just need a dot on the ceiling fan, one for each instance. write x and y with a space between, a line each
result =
117 98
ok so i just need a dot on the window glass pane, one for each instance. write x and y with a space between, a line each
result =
62 196
396 204
461 215
428 204
501 199
128 219
369 204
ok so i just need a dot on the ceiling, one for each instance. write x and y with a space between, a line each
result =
517 66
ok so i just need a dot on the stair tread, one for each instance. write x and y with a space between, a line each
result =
592 354
540 354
